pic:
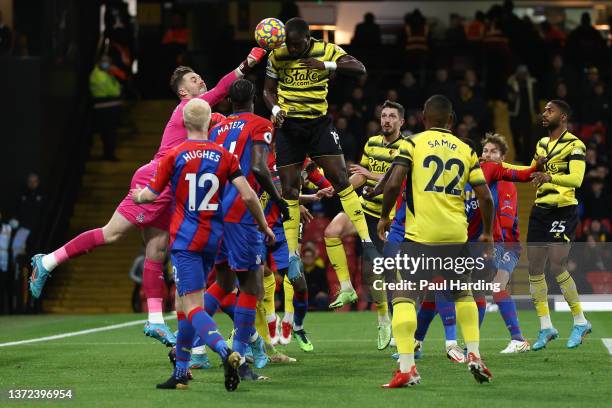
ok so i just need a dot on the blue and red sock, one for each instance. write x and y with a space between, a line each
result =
207 329
228 304
300 307
481 303
507 308
213 297
445 306
244 321
426 314
184 340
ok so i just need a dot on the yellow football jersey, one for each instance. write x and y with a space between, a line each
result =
559 153
439 166
302 92
377 157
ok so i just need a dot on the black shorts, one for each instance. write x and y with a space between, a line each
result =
298 138
552 224
372 222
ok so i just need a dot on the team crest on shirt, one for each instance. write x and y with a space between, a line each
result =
391 152
140 218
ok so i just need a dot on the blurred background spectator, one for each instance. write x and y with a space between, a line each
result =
367 33
316 278
6 37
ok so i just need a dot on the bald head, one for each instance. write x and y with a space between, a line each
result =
196 115
438 111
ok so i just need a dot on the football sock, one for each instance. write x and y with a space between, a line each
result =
260 322
404 325
445 307
184 341
337 258
288 288
481 304
426 314
507 309
213 297
207 329
352 207
228 304
244 321
570 293
300 307
292 226
539 295
268 301
467 317
153 287
78 246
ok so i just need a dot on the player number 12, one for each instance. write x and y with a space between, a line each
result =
205 205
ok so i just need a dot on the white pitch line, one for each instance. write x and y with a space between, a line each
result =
79 333
608 344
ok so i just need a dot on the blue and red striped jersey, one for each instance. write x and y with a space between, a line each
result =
507 211
493 173
238 133
198 171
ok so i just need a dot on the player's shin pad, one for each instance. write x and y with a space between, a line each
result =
352 207
292 225
467 317
539 294
570 293
404 325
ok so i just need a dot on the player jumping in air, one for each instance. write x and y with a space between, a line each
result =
439 165
295 90
198 171
553 221
378 155
153 219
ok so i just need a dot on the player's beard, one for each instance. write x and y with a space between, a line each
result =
552 125
387 133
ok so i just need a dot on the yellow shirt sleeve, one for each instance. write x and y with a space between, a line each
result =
365 158
476 176
337 52
404 156
577 167
271 68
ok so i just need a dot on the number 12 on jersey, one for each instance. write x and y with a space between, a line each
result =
195 183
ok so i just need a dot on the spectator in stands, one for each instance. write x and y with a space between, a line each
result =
522 106
6 232
367 33
473 129
461 131
598 232
6 38
475 30
359 103
392 95
595 106
106 93
414 39
471 79
412 125
316 278
553 36
596 201
372 128
559 74
455 35
585 45
468 103
30 210
347 140
354 123
441 85
410 93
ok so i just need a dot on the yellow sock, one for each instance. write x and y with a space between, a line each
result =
570 293
539 294
269 289
404 326
292 225
467 317
288 288
260 322
352 207
337 258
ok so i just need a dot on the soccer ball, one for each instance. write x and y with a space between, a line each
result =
270 33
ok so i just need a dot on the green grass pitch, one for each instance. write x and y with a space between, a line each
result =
119 368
